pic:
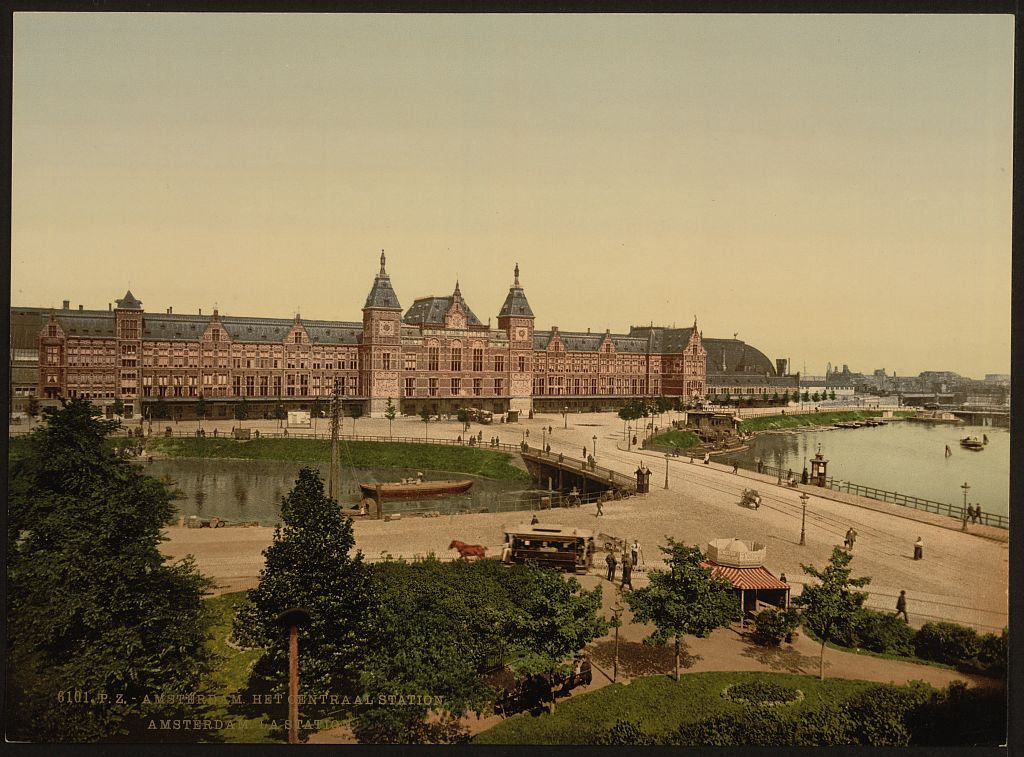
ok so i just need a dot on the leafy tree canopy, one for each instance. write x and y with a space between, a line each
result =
91 604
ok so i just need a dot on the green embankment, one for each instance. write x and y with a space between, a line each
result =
657 704
479 462
679 439
776 422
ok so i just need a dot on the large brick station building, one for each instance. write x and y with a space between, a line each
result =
437 355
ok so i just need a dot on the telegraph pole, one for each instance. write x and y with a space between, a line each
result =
334 479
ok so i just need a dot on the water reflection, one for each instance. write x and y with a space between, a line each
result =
903 457
251 490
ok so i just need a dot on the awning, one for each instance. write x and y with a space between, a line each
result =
746 578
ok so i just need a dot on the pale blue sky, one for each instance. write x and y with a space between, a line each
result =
832 188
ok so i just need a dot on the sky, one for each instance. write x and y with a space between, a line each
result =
829 188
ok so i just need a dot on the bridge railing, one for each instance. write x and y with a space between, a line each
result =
619 479
895 498
532 500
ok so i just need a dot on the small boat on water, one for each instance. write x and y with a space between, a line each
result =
416 488
972 442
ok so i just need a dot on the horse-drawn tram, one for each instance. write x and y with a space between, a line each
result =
546 544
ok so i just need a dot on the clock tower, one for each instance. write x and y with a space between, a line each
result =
516 319
381 348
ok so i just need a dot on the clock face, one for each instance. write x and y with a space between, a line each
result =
521 333
386 327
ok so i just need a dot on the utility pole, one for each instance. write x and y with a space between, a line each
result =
334 479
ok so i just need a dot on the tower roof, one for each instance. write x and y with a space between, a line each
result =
381 294
128 302
516 303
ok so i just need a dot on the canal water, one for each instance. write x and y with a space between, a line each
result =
903 457
251 490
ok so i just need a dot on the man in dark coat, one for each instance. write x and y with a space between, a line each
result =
612 562
901 606
627 573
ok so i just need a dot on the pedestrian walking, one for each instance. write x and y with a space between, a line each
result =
627 574
549 430
782 577
848 540
757 501
612 562
901 606
760 465
977 511
534 520
600 510
584 452
707 458
919 549
735 467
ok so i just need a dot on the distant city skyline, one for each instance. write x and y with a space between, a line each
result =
830 188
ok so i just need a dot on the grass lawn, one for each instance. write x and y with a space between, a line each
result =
680 439
773 422
657 704
479 462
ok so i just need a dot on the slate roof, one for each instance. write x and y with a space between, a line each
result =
663 340
129 302
515 303
381 294
589 342
431 311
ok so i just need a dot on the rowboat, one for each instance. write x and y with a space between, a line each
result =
972 442
416 488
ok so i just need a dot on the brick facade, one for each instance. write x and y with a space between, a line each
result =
437 356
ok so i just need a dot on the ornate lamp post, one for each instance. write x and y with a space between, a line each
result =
803 519
965 487
666 469
595 446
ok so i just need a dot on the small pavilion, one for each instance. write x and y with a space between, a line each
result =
742 565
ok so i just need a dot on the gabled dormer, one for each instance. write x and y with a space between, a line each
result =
455 317
555 343
607 345
215 332
297 334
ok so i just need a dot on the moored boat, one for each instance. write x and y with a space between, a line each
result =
972 442
416 488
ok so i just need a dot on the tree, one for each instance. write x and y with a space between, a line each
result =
33 407
555 618
118 406
831 603
795 397
775 398
806 397
92 605
280 413
815 397
832 394
241 410
309 565
425 417
160 410
354 413
390 412
201 409
686 599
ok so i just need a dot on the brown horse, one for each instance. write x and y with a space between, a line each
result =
468 550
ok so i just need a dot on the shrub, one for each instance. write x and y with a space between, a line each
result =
760 692
883 632
992 655
754 727
961 716
772 626
947 642
829 725
625 733
880 713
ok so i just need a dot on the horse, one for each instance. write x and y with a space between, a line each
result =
468 550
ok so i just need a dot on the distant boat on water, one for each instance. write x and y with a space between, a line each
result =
972 442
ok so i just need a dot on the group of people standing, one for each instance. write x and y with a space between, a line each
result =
630 559
974 513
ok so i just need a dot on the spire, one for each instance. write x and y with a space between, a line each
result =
382 271
381 294
457 293
516 282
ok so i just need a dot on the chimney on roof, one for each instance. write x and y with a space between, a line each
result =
67 304
169 310
588 329
110 306
81 307
200 311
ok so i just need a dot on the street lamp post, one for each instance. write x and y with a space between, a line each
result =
965 487
666 469
616 609
292 619
543 437
803 519
595 446
565 415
